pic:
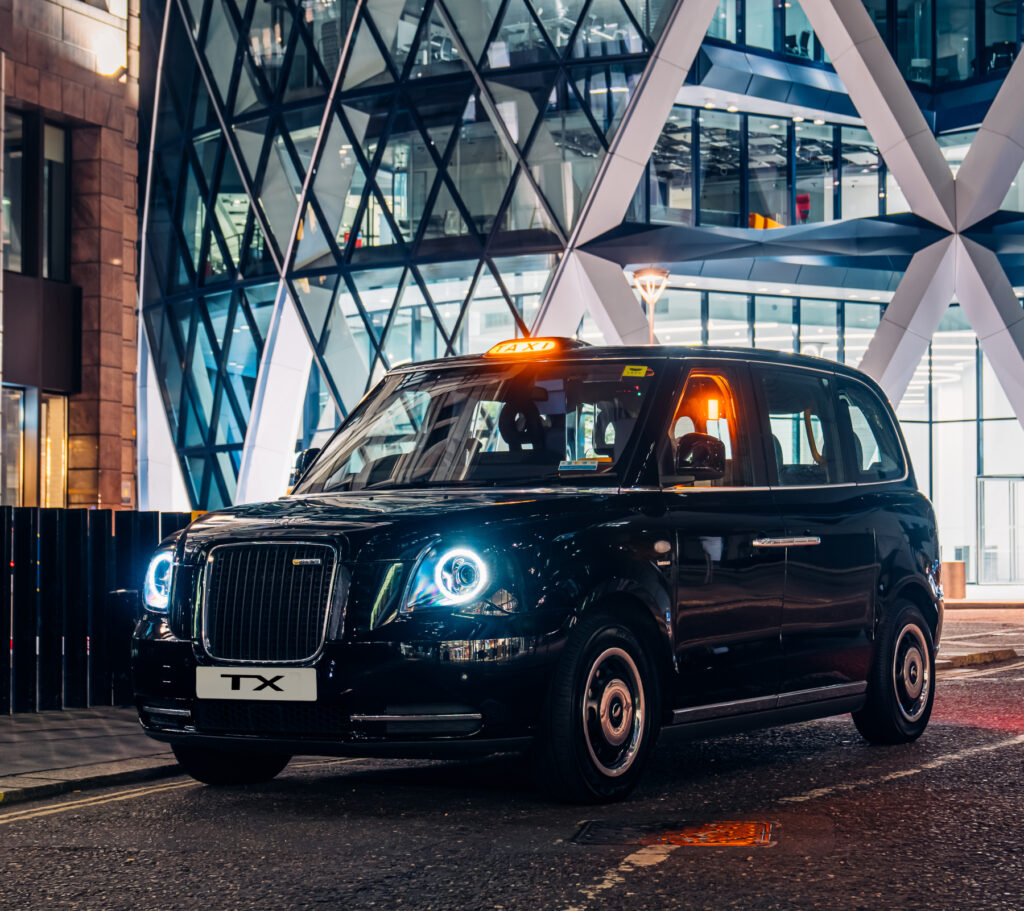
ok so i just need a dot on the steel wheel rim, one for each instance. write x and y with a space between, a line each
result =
613 712
911 672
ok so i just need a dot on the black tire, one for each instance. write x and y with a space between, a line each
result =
579 759
223 767
901 686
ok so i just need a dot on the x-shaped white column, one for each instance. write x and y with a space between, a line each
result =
955 266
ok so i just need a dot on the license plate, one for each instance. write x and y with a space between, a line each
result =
260 684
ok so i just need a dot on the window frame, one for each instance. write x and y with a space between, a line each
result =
764 422
847 433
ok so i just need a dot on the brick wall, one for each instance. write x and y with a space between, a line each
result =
54 51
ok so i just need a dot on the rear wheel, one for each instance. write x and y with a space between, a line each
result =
600 720
901 688
212 766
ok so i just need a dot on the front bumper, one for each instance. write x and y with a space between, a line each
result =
441 698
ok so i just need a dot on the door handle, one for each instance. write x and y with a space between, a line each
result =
797 541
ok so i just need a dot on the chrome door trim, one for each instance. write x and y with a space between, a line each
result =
765 703
821 693
795 541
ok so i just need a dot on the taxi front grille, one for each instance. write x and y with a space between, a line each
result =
266 601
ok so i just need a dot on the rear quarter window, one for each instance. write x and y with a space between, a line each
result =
874 452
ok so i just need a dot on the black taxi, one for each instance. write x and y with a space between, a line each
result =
556 549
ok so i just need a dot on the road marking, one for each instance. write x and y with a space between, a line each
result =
936 763
645 857
86 802
969 673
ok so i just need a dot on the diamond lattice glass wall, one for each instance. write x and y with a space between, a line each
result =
405 171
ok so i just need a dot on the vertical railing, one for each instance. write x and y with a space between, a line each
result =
68 637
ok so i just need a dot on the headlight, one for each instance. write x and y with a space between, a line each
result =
463 579
156 590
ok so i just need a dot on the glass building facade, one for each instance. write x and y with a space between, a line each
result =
408 174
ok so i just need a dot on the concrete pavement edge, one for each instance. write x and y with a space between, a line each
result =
54 782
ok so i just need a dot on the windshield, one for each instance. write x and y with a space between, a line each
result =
491 424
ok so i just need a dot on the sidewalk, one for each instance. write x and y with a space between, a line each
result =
48 753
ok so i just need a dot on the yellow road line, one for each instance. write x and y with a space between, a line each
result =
86 802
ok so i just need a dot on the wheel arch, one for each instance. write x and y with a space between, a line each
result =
917 594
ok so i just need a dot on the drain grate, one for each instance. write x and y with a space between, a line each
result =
721 834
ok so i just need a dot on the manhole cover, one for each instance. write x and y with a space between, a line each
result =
727 833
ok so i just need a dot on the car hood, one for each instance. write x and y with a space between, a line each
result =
383 525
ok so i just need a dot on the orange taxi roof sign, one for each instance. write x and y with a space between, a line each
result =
524 346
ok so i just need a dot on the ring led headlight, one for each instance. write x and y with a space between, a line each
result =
156 590
460 576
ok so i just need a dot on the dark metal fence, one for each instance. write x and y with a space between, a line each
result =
69 636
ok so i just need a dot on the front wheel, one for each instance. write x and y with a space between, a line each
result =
601 717
223 767
901 688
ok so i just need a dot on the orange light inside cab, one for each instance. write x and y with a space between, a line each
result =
524 346
712 409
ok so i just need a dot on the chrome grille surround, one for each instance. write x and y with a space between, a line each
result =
258 606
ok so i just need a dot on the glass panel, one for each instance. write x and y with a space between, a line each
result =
994 403
723 25
314 295
1001 527
800 40
677 317
914 39
607 30
1000 35
768 172
348 348
524 221
916 434
954 147
607 90
12 452
719 168
519 40
815 188
671 172
759 21
565 154
366 65
1002 445
955 49
859 324
774 327
473 20
13 193
525 279
327 24
320 416
488 319
914 406
859 192
399 32
876 454
53 454
56 203
727 320
436 53
894 199
955 454
803 428
520 99
448 284
954 370
558 18
818 333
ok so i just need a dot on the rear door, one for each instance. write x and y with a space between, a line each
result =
828 607
728 608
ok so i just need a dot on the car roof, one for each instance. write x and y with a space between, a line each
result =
581 351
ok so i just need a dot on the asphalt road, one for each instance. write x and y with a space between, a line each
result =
937 824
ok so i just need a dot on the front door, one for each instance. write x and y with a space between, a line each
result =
828 612
728 591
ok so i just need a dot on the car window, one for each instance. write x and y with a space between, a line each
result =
490 423
707 406
875 451
803 444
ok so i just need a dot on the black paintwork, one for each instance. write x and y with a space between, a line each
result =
723 620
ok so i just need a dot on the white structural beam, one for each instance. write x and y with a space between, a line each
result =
911 318
269 452
161 485
995 313
884 101
620 172
995 156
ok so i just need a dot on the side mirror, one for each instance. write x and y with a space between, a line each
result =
302 461
700 456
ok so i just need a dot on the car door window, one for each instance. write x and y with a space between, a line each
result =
707 406
803 448
875 452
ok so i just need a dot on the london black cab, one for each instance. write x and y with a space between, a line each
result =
559 550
